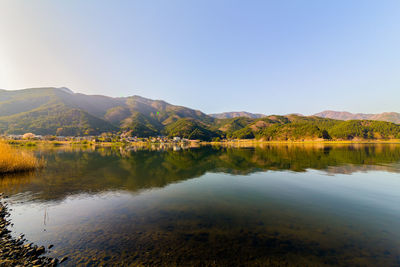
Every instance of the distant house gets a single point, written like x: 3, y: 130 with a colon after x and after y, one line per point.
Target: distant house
x: 15, y: 136
x: 132, y: 139
x: 61, y: 138
x: 39, y: 137
x: 176, y: 139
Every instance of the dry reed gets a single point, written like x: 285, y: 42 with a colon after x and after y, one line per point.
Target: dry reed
x: 13, y: 160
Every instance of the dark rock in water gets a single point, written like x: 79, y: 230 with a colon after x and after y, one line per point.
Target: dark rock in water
x: 63, y: 259
x: 40, y: 250
x: 49, y: 247
x: 35, y: 262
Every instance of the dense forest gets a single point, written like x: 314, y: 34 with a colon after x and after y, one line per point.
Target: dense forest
x: 297, y: 128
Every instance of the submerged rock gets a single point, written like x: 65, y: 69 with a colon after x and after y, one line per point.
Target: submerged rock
x: 63, y: 259
x: 13, y: 252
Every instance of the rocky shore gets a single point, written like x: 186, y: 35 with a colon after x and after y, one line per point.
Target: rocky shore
x: 16, y: 251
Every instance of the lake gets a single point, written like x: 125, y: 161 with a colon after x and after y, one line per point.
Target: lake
x: 290, y: 205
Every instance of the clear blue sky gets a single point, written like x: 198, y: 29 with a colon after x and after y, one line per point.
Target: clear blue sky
x: 272, y: 57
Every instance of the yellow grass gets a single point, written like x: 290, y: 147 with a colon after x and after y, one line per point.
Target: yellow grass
x: 13, y: 160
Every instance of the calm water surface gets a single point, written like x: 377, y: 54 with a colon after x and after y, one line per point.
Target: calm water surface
x: 285, y: 205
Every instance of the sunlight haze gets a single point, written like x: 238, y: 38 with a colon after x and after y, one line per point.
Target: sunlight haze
x: 270, y: 57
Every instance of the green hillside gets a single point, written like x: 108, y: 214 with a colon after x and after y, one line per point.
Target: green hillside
x: 191, y: 129
x: 42, y: 111
x: 297, y: 128
x: 142, y: 126
x: 46, y: 110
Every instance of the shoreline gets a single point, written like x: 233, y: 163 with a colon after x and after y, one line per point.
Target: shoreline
x: 29, y: 143
x: 251, y: 141
x: 17, y: 251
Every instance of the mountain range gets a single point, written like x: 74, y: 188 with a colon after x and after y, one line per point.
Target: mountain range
x: 343, y: 115
x: 330, y: 114
x: 235, y: 114
x: 60, y: 111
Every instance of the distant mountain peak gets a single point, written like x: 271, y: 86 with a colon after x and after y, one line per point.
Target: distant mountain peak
x: 66, y: 90
x: 345, y: 115
x: 235, y: 114
x: 295, y: 114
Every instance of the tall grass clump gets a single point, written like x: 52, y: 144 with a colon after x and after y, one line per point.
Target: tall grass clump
x: 13, y: 160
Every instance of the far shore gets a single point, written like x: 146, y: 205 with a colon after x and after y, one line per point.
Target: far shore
x: 253, y: 141
x: 195, y: 143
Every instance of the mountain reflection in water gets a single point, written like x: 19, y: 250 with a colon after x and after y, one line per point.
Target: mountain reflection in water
x: 112, y: 169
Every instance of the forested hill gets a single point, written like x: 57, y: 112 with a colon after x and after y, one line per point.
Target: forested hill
x: 298, y: 128
x: 62, y: 112
x: 59, y: 111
